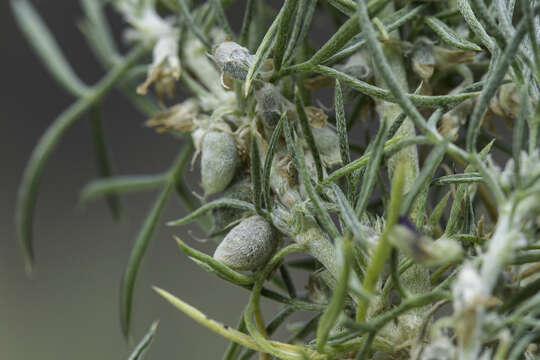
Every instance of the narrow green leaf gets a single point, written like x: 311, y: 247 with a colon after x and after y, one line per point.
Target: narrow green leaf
x: 381, y: 63
x: 335, y: 306
x: 297, y: 153
x: 268, y: 160
x: 347, y: 7
x: 223, y: 202
x: 341, y: 124
x: 233, y: 350
x: 493, y: 82
x: 270, y: 329
x: 287, y: 279
x: 283, y: 32
x: 337, y: 41
x: 518, y: 139
x: 533, y: 36
x: 122, y: 184
x: 424, y: 177
x: 44, y: 44
x: 465, y: 178
x: 103, y: 158
x: 475, y: 25
x: 455, y: 219
x: 262, y: 52
x: 256, y: 174
x: 98, y: 32
x: 205, y: 321
x: 222, y: 17
x: 449, y: 36
x: 435, y: 217
x: 308, y: 135
x: 387, y: 95
x: 392, y: 23
x: 224, y: 271
x: 28, y: 189
x: 142, y: 241
x: 142, y: 347
x: 348, y: 215
x: 193, y: 27
x: 396, y: 124
x: 246, y: 22
x: 304, y: 15
x: 391, y: 147
x: 382, y: 251
x: 372, y: 169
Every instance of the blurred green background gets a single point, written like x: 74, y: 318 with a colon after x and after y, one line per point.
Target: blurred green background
x: 69, y: 309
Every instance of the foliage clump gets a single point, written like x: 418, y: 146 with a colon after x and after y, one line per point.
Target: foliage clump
x: 420, y: 242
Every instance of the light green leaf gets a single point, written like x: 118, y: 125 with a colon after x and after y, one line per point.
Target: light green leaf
x: 44, y: 44
x: 262, y: 52
x: 142, y: 347
x: 449, y: 36
x: 142, y: 241
x: 122, y: 184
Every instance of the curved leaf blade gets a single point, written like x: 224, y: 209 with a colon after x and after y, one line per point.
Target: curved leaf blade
x: 144, y: 237
x: 142, y: 347
x: 42, y: 41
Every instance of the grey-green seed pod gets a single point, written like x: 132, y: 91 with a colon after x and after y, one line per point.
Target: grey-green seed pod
x: 270, y: 104
x: 423, y: 58
x: 225, y: 216
x: 327, y: 143
x: 248, y: 245
x: 219, y: 160
x: 233, y: 59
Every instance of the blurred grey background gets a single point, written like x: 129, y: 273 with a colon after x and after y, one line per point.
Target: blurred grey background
x: 69, y: 309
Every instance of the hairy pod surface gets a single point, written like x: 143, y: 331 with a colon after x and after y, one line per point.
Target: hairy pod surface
x: 225, y: 216
x: 248, y: 245
x: 269, y: 105
x: 218, y: 161
x: 233, y: 59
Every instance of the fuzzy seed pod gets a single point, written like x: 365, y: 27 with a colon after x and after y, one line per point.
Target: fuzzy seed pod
x: 225, y: 216
x: 359, y: 67
x: 248, y: 245
x: 219, y: 160
x: 233, y: 59
x: 270, y: 104
x: 423, y: 59
x: 327, y: 143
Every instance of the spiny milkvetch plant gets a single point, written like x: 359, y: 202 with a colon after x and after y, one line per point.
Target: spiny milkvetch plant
x: 420, y: 242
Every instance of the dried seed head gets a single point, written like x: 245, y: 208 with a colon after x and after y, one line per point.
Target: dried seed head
x: 180, y: 117
x: 223, y: 217
x: 233, y: 59
x: 506, y: 103
x: 219, y: 160
x: 316, y: 116
x: 327, y: 143
x: 165, y: 69
x: 445, y: 58
x: 248, y: 245
x: 270, y: 104
x: 423, y: 58
x: 422, y: 249
x: 358, y: 66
